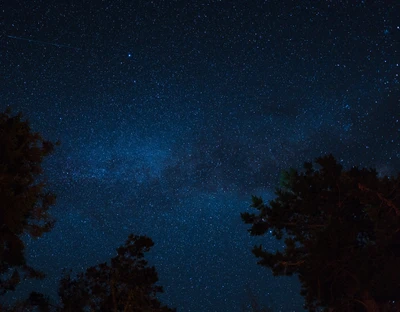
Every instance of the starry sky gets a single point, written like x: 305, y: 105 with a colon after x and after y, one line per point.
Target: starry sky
x: 171, y: 114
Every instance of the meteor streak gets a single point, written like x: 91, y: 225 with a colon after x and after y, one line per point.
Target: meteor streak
x: 59, y: 45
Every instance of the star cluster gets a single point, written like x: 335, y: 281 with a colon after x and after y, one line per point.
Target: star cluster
x: 171, y: 114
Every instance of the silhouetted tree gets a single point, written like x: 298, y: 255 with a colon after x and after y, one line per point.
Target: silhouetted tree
x: 24, y: 200
x: 342, y: 236
x: 126, y: 284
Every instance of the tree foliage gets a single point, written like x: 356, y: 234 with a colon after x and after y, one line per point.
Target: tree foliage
x: 342, y: 235
x: 126, y: 284
x: 24, y: 200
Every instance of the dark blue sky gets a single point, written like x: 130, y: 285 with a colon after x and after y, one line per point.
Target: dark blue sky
x: 171, y: 114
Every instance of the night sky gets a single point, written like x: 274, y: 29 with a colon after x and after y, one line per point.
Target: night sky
x: 171, y: 114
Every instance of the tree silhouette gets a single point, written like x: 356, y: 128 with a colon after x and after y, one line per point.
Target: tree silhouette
x: 126, y: 284
x: 24, y: 200
x: 342, y: 236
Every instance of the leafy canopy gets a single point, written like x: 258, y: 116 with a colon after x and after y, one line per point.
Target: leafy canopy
x: 24, y: 202
x: 342, y: 235
x: 126, y: 284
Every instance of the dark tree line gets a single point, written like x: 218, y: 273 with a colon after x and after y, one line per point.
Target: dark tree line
x: 341, y: 230
x: 126, y: 283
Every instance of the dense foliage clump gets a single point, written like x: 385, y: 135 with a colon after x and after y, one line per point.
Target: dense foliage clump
x: 126, y: 284
x: 342, y: 235
x: 24, y: 200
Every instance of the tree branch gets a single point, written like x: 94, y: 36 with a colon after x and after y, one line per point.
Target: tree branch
x: 388, y: 202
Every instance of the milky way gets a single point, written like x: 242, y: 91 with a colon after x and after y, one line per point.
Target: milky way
x: 171, y: 114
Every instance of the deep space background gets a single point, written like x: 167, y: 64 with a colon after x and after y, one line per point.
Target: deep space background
x: 171, y: 114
